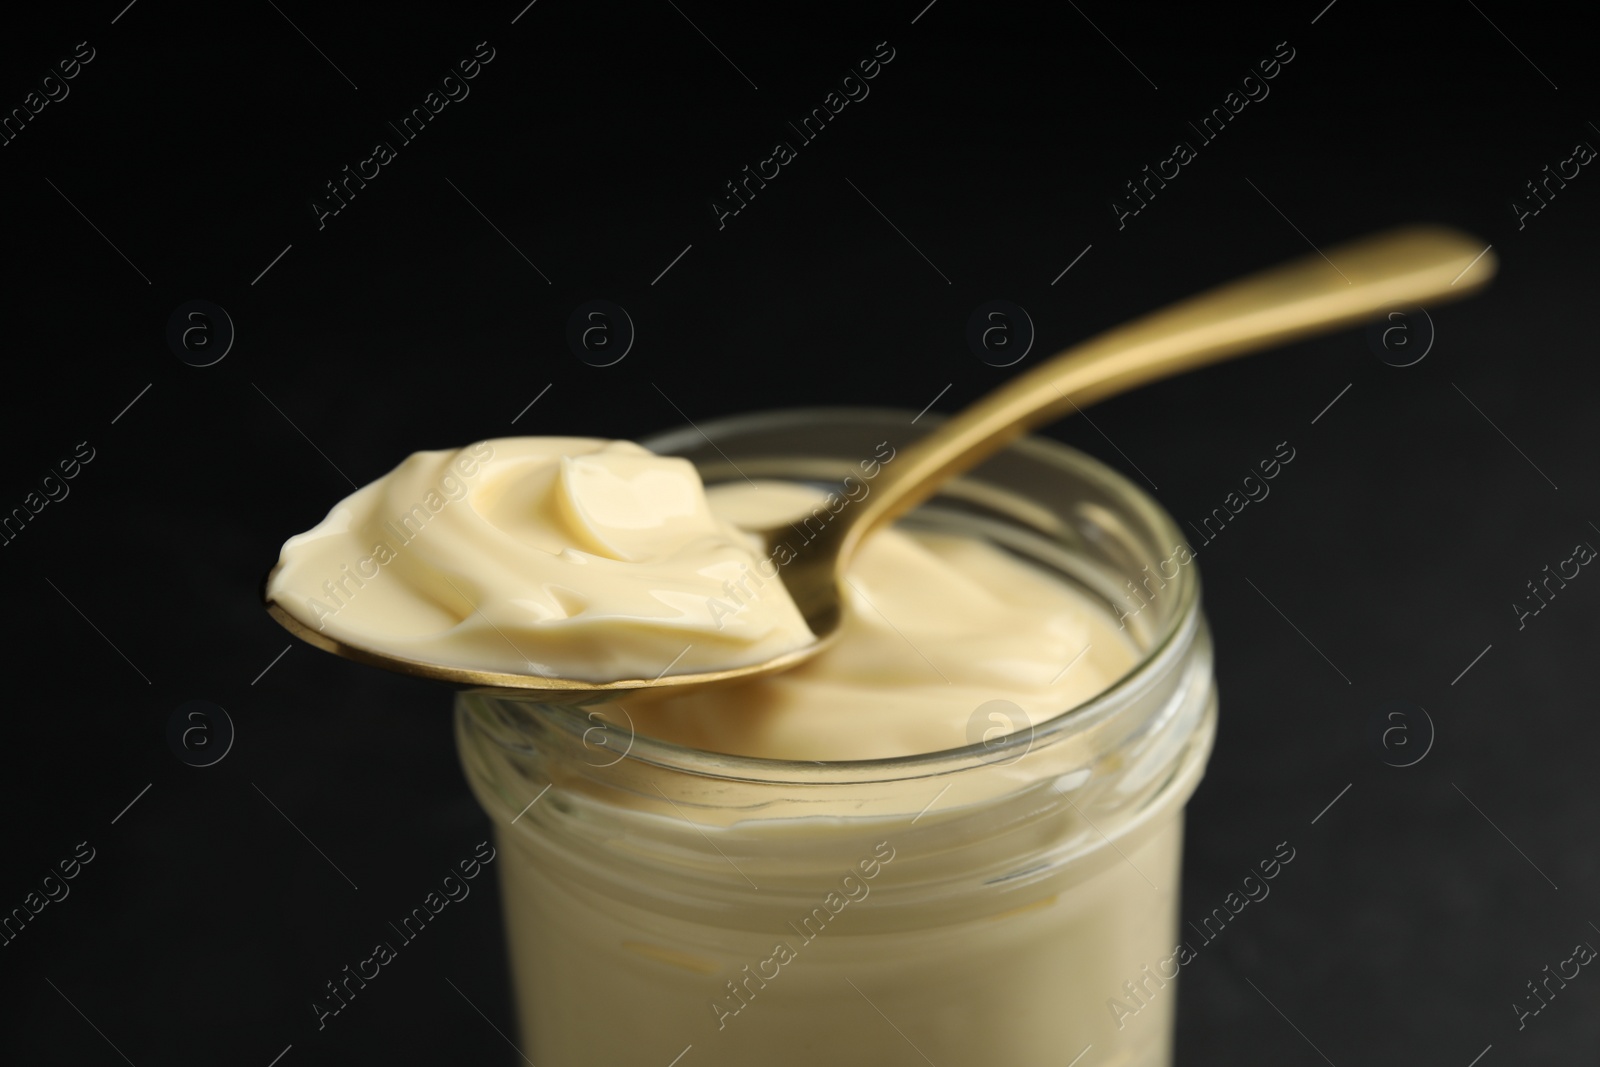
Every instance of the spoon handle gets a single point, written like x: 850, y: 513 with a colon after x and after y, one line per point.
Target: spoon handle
x: 1352, y: 282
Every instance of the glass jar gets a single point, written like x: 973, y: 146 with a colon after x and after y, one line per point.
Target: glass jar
x: 1007, y: 904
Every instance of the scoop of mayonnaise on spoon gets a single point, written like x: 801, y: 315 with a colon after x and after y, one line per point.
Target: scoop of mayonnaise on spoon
x: 537, y: 558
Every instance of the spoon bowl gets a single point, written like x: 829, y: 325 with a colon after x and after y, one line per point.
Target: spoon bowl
x: 560, y: 690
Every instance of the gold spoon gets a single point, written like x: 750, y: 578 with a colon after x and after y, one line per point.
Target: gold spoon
x: 1352, y: 282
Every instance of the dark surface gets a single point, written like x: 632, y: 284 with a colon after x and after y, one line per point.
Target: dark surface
x: 1397, y: 540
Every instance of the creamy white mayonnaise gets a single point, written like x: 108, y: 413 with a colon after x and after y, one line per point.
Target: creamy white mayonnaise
x: 558, y: 556
x: 945, y: 640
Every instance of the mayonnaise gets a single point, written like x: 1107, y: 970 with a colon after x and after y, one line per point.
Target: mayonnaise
x: 946, y: 640
x: 555, y: 556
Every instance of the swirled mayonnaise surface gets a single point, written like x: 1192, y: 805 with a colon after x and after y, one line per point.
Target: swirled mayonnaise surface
x: 557, y: 556
x: 946, y: 640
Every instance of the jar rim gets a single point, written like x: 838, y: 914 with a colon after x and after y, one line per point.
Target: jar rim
x: 1168, y: 642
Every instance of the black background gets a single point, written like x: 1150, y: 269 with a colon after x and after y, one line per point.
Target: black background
x: 995, y: 140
